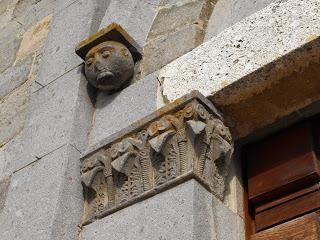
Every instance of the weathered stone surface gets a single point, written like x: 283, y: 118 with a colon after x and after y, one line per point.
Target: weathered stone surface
x: 6, y: 11
x: 51, y: 120
x: 160, y: 51
x: 14, y: 77
x: 108, y: 119
x: 247, y: 57
x: 183, y: 140
x: 14, y: 108
x: 134, y: 16
x: 170, y: 18
x: 10, y: 41
x: 4, y: 186
x: 62, y: 39
x: 34, y: 38
x: 29, y: 12
x: 44, y: 199
x: 229, y: 12
x: 185, y: 212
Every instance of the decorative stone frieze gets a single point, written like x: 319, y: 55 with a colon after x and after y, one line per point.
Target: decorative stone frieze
x: 185, y: 139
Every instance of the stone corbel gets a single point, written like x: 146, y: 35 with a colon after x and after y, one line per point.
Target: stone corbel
x: 110, y: 57
x: 185, y: 139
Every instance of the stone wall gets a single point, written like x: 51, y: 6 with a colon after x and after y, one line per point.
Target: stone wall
x: 50, y: 116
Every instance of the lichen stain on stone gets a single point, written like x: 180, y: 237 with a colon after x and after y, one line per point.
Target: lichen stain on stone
x: 34, y: 38
x: 224, y: 83
x: 288, y: 95
x: 312, y: 37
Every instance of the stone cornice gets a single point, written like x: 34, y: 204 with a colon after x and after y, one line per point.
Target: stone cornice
x: 185, y: 139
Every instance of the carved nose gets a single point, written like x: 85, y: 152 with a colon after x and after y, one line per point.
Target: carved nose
x: 98, y: 65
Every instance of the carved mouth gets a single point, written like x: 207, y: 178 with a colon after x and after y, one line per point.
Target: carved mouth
x: 104, y: 76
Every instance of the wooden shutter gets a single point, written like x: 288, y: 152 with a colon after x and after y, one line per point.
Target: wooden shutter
x: 283, y: 190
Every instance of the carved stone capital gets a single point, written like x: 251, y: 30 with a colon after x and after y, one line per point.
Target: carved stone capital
x: 185, y: 139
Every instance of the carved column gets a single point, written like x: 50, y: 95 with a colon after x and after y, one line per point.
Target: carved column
x: 185, y: 139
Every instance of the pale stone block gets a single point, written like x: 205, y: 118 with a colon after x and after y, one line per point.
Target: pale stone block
x: 246, y: 47
x: 4, y: 186
x: 44, y: 199
x: 187, y: 211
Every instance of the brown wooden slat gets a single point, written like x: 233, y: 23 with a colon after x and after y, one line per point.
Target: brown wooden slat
x: 287, y: 198
x: 303, y: 228
x: 282, y: 164
x: 288, y: 210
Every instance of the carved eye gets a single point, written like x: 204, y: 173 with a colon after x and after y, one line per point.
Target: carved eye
x: 89, y: 61
x: 105, y: 54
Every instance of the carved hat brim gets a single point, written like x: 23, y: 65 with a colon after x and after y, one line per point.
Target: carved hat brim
x: 113, y: 32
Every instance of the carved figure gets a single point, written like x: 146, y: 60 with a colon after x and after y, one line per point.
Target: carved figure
x: 110, y: 56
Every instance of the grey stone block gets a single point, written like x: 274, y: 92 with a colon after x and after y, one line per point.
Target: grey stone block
x: 10, y: 41
x: 14, y: 108
x: 55, y: 109
x: 44, y: 200
x: 186, y: 212
x: 173, y: 17
x: 69, y: 26
x: 162, y: 50
x: 15, y: 76
x: 30, y: 12
x: 4, y: 186
x: 117, y: 111
x: 134, y: 16
x: 227, y: 13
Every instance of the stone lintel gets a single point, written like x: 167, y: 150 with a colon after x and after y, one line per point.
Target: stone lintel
x: 259, y: 70
x: 183, y: 140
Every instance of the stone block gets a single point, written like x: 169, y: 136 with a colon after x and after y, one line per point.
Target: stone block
x: 10, y: 41
x: 34, y: 39
x: 51, y: 119
x: 163, y: 50
x: 4, y: 186
x: 227, y: 13
x: 6, y: 11
x: 117, y: 111
x: 44, y: 199
x: 69, y: 26
x: 187, y: 211
x: 172, y: 17
x: 29, y: 12
x: 134, y: 16
x: 14, y: 77
x: 14, y: 108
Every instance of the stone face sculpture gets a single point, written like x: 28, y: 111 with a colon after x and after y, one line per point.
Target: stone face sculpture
x: 110, y: 56
x: 109, y: 65
x: 185, y: 139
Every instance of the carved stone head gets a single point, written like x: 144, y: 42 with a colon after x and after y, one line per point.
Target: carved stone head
x: 110, y: 56
x: 109, y: 65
